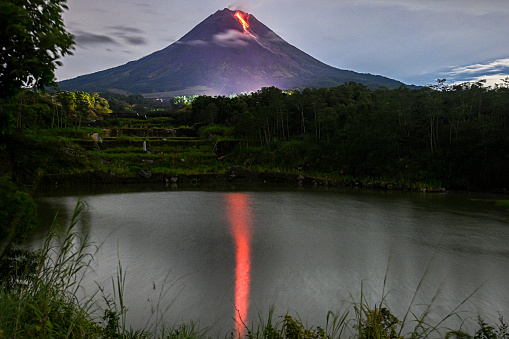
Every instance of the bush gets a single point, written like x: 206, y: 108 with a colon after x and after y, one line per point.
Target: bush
x: 17, y: 214
x: 219, y: 130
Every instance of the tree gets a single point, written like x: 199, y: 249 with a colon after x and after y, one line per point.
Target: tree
x: 83, y: 102
x: 33, y: 38
x: 101, y: 105
x: 67, y: 101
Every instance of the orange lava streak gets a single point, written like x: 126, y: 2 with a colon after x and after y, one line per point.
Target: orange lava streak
x: 244, y: 22
x: 239, y: 216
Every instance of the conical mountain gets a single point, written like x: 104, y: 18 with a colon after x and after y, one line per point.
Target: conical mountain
x: 221, y: 56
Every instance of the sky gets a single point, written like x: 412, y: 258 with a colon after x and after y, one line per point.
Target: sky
x: 413, y: 41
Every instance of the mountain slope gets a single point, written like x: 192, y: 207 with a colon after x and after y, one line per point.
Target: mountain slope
x: 219, y: 57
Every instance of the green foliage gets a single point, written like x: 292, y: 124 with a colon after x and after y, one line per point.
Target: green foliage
x: 16, y: 266
x: 502, y: 203
x: 83, y: 101
x: 7, y: 119
x: 26, y: 110
x: 294, y: 329
x: 454, y: 136
x: 111, y: 318
x: 67, y: 100
x: 457, y: 135
x: 486, y: 331
x: 37, y: 154
x: 33, y: 38
x: 134, y: 103
x: 377, y: 323
x: 217, y: 130
x: 45, y: 305
x: 18, y: 214
x: 180, y: 101
x: 83, y: 105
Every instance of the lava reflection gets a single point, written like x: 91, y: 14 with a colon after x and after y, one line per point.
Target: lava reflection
x: 239, y: 216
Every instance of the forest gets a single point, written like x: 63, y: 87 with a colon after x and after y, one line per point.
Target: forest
x: 455, y: 135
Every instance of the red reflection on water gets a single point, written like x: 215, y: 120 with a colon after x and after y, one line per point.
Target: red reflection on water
x: 239, y: 216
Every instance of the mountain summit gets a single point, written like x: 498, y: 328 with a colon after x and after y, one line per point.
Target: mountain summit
x: 229, y: 52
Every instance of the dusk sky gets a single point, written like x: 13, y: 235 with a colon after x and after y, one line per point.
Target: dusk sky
x: 414, y: 41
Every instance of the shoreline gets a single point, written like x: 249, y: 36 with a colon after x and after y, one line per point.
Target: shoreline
x: 236, y: 175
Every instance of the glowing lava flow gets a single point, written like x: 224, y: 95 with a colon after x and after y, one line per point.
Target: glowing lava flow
x: 239, y: 216
x: 244, y: 22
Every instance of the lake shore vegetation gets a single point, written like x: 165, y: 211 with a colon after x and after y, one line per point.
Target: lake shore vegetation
x: 429, y: 139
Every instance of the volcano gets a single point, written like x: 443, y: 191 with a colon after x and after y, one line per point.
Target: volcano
x: 229, y: 52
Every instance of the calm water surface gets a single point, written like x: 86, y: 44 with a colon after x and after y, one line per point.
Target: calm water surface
x: 230, y: 254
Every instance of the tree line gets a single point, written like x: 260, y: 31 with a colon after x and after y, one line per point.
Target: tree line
x: 458, y: 134
x: 30, y: 110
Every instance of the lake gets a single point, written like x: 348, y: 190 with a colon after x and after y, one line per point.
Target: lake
x: 222, y: 256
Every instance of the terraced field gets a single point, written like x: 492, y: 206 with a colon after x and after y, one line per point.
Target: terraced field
x: 170, y: 153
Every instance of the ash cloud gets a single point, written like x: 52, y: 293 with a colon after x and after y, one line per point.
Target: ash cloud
x: 245, y: 5
x: 240, y: 6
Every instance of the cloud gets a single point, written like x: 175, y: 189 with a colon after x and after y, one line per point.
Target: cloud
x: 87, y: 38
x: 231, y: 38
x: 243, y: 6
x: 492, y: 72
x: 128, y: 29
x: 123, y: 32
x: 491, y: 67
x: 146, y: 8
x: 489, y: 80
x: 135, y: 40
x: 193, y: 42
x: 249, y: 6
x: 471, y: 7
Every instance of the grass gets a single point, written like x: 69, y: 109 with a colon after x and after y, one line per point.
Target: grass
x: 178, y: 162
x: 502, y: 203
x: 46, y: 305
